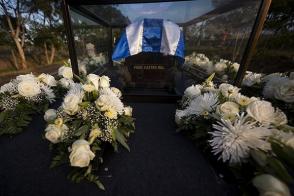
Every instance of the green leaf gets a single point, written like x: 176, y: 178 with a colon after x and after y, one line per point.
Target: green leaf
x: 283, y: 152
x: 82, y: 130
x: 2, y: 116
x: 100, y: 185
x: 279, y: 169
x: 121, y: 139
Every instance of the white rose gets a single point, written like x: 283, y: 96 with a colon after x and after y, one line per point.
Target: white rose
x: 116, y: 91
x: 251, y: 78
x: 272, y: 84
x: 236, y: 66
x: 285, y: 91
x: 89, y: 87
x: 193, y: 91
x: 65, y: 72
x: 228, y: 90
x: 291, y: 76
x: 47, y: 79
x: 220, y: 66
x: 94, y: 79
x: 228, y: 110
x: 26, y: 77
x: 54, y: 133
x: 66, y: 83
x: 81, y: 154
x: 104, y: 82
x: 280, y: 118
x: 179, y: 115
x: 50, y: 115
x: 128, y: 111
x: 261, y: 111
x: 269, y: 185
x: 28, y: 88
x: 71, y: 104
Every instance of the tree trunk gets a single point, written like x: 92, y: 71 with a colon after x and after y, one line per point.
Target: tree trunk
x: 46, y: 53
x: 52, y: 53
x: 14, y: 59
x: 21, y: 53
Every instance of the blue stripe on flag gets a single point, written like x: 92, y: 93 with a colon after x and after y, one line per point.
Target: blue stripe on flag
x: 122, y: 48
x: 152, y: 34
x: 181, y: 48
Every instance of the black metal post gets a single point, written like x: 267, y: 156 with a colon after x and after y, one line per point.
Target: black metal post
x: 70, y: 37
x: 252, y: 42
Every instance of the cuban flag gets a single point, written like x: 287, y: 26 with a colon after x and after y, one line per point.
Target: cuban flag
x: 150, y: 35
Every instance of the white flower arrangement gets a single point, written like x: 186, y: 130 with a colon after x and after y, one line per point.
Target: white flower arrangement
x: 91, y: 63
x: 22, y: 97
x: 91, y: 115
x: 237, y: 127
x: 223, y: 68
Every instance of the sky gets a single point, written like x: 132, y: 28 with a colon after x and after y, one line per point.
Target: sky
x: 167, y: 10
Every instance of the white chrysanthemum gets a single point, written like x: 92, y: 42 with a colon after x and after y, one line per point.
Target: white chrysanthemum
x: 232, y: 141
x: 9, y: 87
x: 50, y: 96
x: 202, y: 105
x: 108, y: 100
x: 193, y: 91
x: 72, y: 99
x: 251, y: 78
x: 66, y: 83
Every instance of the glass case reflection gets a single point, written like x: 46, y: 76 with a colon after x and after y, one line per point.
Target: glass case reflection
x: 215, y: 35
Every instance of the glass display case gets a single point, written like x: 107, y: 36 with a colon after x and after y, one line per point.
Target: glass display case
x: 218, y: 37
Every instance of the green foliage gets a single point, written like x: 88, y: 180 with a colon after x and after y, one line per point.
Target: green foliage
x: 14, y: 121
x: 79, y: 174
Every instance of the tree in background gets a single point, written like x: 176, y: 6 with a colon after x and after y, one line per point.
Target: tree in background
x: 17, y: 13
x: 31, y: 24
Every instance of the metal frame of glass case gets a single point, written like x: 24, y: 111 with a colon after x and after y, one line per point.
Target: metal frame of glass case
x: 245, y: 60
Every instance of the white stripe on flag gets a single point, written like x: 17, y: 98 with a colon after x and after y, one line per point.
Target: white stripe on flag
x: 135, y: 36
x: 170, y: 38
